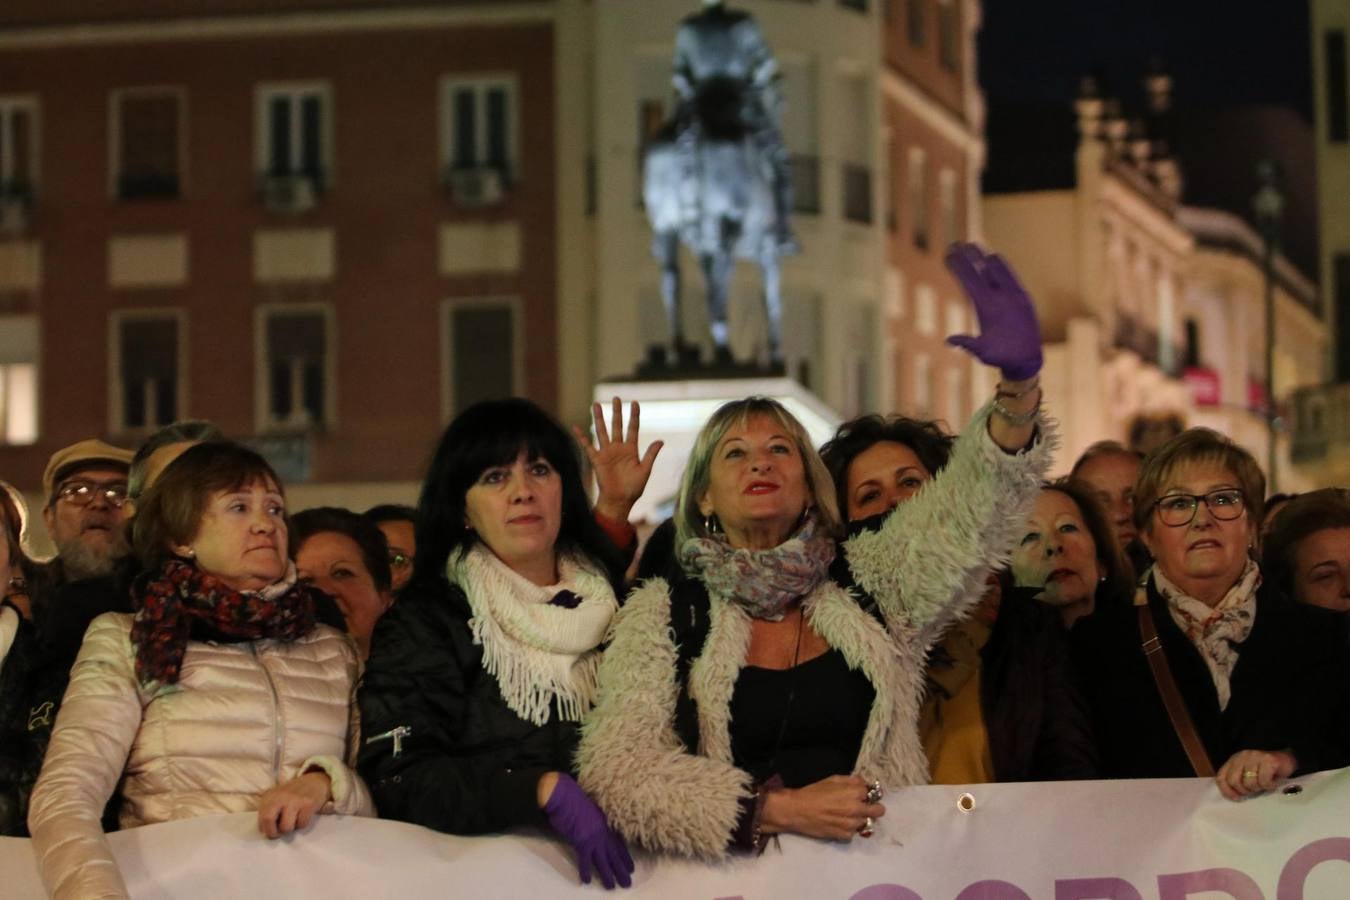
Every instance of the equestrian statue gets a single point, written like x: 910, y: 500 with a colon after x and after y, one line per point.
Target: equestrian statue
x: 716, y: 176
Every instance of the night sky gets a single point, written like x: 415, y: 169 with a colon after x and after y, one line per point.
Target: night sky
x: 1220, y: 53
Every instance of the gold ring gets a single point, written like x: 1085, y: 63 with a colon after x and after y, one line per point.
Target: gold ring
x: 1248, y: 773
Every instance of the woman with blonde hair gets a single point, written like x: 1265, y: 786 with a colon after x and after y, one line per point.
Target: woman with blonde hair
x: 772, y: 683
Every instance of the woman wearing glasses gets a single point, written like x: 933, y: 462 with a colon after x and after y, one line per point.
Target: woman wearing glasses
x: 1257, y: 686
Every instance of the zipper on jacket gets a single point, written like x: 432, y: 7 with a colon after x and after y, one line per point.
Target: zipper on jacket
x: 276, y: 714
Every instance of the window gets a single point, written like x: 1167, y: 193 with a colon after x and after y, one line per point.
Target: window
x: 947, y: 199
x: 18, y: 147
x: 146, y: 144
x: 18, y: 379
x: 914, y: 21
x: 955, y: 409
x: 1338, y: 117
x: 918, y: 196
x: 295, y: 122
x: 859, y: 5
x: 481, y: 352
x: 923, y: 385
x: 925, y: 310
x: 478, y: 125
x: 297, y: 378
x: 1340, y: 280
x: 948, y: 27
x: 145, y: 388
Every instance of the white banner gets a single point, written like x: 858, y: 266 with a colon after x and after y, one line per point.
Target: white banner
x: 1117, y: 840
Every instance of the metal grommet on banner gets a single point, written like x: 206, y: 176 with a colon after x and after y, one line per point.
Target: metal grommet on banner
x: 966, y: 802
x: 1292, y: 790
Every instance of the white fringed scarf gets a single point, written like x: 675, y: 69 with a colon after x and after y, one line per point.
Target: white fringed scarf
x: 536, y: 650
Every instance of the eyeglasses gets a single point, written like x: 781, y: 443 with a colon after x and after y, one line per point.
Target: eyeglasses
x: 1179, y: 509
x: 82, y: 493
x: 399, y: 560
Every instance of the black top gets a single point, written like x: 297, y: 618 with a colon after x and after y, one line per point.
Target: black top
x: 1290, y: 690
x: 804, y: 724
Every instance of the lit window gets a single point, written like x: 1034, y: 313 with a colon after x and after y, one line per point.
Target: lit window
x: 18, y: 380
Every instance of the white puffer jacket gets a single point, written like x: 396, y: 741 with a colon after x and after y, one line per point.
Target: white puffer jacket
x: 243, y: 718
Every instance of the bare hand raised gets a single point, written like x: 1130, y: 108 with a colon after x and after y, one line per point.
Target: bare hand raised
x: 620, y: 473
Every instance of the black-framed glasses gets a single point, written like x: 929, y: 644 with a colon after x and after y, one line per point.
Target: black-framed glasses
x: 82, y: 493
x: 1179, y: 509
x: 399, y: 560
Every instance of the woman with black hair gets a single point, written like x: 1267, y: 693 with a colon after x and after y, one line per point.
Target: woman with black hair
x: 479, y: 676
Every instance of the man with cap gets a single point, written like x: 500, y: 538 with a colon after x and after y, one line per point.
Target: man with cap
x: 86, y: 489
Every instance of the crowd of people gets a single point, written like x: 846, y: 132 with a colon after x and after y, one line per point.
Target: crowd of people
x: 813, y: 627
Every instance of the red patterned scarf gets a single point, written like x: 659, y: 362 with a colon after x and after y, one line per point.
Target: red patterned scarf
x: 182, y: 602
x: 762, y: 582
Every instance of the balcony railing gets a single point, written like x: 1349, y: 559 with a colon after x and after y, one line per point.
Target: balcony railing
x: 857, y: 193
x: 1321, y: 421
x: 1145, y: 342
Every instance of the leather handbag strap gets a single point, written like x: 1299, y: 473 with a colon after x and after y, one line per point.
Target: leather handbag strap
x: 1171, y: 697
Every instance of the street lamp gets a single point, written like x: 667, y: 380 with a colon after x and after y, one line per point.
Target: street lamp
x: 1268, y: 204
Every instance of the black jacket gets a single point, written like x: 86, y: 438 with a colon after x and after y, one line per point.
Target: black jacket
x: 470, y: 764
x: 1290, y: 690
x: 1034, y: 711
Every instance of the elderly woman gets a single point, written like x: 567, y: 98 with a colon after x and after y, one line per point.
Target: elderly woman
x: 219, y: 695
x: 1307, y: 549
x: 480, y: 674
x: 1207, y: 669
x: 1068, y: 554
x: 1002, y: 702
x: 344, y: 554
x: 759, y: 689
x: 25, y: 676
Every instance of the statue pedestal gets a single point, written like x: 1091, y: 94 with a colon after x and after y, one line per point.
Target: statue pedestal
x: 658, y: 366
x: 674, y: 408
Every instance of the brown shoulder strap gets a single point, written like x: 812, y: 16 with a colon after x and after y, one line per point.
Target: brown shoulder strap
x: 1167, y: 688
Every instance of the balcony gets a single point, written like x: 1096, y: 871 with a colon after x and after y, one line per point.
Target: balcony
x: 1321, y: 421
x: 1132, y: 335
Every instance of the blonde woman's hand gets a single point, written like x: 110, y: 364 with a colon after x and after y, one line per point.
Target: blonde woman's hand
x: 290, y: 807
x: 833, y: 808
x: 621, y: 474
x: 1250, y: 772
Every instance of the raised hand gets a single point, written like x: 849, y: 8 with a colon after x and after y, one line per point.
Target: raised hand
x: 1010, y: 336
x: 574, y: 815
x: 620, y: 473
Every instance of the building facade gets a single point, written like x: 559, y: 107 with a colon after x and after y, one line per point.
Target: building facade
x: 325, y: 230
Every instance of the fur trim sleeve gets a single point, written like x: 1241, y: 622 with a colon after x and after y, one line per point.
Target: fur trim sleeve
x: 927, y: 563
x: 654, y: 791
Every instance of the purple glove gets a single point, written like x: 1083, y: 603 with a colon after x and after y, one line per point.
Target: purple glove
x: 1010, y: 337
x: 576, y: 817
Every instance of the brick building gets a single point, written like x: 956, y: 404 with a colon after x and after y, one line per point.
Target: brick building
x: 325, y: 230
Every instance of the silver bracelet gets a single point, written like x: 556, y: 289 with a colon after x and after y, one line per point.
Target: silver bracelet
x: 1018, y: 395
x: 1016, y: 419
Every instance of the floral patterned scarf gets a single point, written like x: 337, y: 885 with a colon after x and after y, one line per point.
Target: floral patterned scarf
x: 1216, y: 632
x: 762, y: 582
x: 182, y: 602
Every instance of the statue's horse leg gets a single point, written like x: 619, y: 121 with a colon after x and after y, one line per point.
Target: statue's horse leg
x: 717, y: 266
x: 667, y: 247
x: 773, y: 302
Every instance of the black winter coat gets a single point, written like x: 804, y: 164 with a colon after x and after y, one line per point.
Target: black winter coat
x: 470, y: 764
x: 1290, y: 690
x: 1034, y: 712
